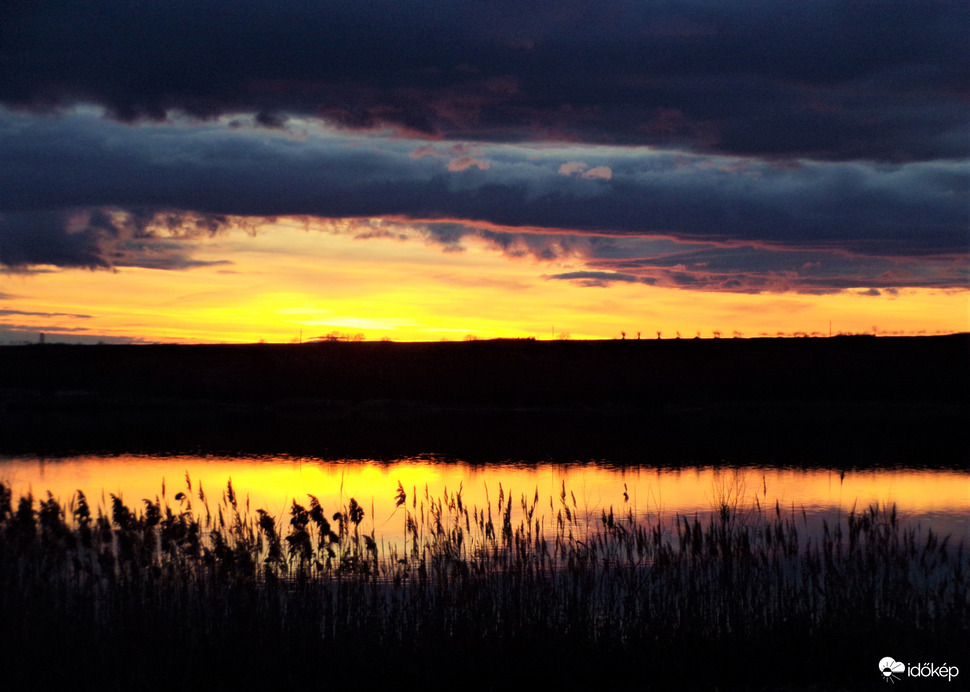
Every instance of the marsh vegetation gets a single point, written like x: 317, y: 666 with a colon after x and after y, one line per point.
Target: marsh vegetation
x: 208, y: 592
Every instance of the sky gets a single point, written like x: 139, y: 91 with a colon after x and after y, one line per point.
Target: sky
x: 214, y: 171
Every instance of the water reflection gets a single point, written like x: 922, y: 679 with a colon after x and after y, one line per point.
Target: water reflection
x: 936, y: 498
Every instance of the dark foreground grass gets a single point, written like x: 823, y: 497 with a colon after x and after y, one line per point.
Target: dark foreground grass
x: 510, y: 595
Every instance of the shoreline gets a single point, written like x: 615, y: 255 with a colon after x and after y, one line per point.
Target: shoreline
x: 869, y: 400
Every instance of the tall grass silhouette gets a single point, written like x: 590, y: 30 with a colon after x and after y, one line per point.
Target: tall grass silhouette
x: 744, y: 594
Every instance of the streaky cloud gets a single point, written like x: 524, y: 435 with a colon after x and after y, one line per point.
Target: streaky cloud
x: 28, y: 313
x: 599, y: 278
x: 80, y: 161
x: 77, y: 190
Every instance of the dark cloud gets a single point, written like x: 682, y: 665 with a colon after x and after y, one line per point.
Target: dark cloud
x: 103, y: 238
x: 753, y: 269
x: 831, y: 79
x: 80, y: 191
x: 732, y: 267
x: 30, y: 334
x: 541, y: 246
x: 30, y: 238
x: 43, y: 314
x: 599, y: 279
x: 80, y: 161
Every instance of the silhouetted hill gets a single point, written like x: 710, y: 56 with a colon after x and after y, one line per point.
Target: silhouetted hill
x: 907, y: 395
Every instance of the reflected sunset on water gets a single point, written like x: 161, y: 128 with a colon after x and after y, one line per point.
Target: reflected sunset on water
x: 937, y: 498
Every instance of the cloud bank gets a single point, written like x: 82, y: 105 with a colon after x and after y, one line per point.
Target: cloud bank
x: 830, y: 79
x: 79, y: 190
x: 733, y: 146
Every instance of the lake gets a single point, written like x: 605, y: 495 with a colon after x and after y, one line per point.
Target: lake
x: 809, y: 428
x: 585, y: 593
x: 935, y: 498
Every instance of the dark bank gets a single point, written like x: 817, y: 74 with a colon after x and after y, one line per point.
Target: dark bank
x: 895, y: 399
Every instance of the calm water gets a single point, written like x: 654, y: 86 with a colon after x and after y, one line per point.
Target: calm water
x: 939, y: 499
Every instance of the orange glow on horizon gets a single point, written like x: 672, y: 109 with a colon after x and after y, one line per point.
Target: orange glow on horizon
x: 287, y: 283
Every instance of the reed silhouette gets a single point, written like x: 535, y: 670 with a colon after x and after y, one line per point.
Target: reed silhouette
x: 212, y: 594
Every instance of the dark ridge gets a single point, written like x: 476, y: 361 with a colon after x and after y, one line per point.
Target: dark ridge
x: 891, y: 399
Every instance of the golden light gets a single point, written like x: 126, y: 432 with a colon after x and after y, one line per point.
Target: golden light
x: 273, y: 483
x: 292, y: 281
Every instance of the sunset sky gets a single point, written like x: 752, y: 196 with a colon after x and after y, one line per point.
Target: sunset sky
x: 199, y: 170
